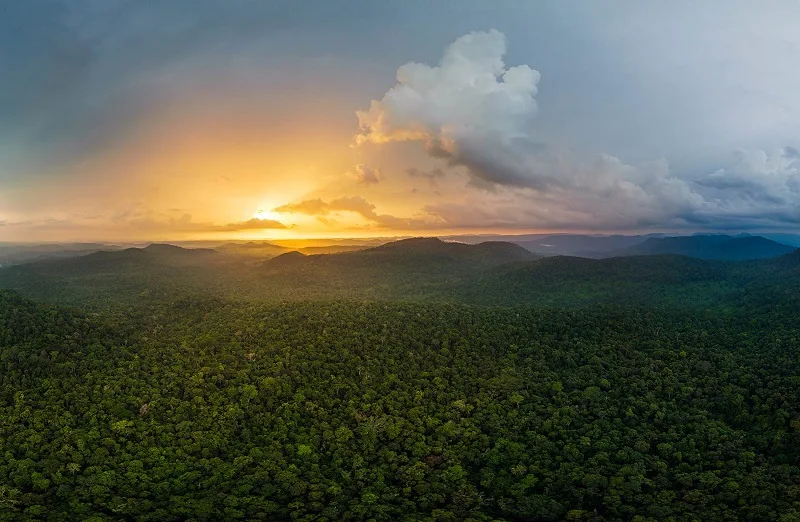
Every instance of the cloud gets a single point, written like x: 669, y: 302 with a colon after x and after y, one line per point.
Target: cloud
x: 470, y: 109
x: 755, y: 188
x: 470, y: 89
x: 145, y: 219
x: 432, y: 175
x: 26, y: 223
x: 318, y: 207
x: 357, y: 205
x: 365, y: 174
x: 327, y: 221
x: 758, y: 176
x: 474, y: 112
x: 137, y: 222
x: 252, y: 224
x: 311, y: 207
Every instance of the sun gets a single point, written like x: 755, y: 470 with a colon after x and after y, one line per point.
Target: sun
x: 266, y: 214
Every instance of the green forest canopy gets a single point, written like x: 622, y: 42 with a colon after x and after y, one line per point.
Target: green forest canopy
x: 425, y: 387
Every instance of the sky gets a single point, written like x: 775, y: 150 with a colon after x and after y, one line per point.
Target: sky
x: 211, y: 119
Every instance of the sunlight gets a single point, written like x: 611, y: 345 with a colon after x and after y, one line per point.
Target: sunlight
x: 266, y: 214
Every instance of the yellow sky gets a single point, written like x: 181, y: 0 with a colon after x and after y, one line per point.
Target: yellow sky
x: 189, y: 171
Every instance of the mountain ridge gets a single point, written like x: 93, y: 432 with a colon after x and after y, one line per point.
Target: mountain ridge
x: 709, y: 246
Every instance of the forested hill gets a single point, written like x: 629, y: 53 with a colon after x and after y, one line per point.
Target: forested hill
x: 154, y: 254
x: 208, y: 409
x: 410, y: 266
x: 420, y: 254
x: 720, y: 247
x: 422, y: 270
x: 489, y: 251
x: 23, y: 322
x: 753, y: 247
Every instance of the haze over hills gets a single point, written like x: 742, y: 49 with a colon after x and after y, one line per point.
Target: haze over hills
x: 266, y: 249
x: 13, y: 253
x: 743, y: 246
x: 753, y: 247
x: 498, y: 273
x: 155, y: 253
x: 787, y: 239
x: 709, y: 247
x: 422, y: 253
x: 491, y: 252
x: 581, y: 245
x: 410, y: 267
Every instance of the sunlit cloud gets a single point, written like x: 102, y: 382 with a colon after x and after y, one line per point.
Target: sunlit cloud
x: 359, y: 206
x: 251, y: 224
x: 432, y: 175
x: 365, y: 174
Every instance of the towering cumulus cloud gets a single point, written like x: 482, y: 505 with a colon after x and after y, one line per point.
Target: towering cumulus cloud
x: 475, y: 112
x: 470, y: 110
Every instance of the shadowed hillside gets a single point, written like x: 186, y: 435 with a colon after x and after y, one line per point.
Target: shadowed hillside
x: 495, y: 273
x: 424, y: 254
x: 710, y: 247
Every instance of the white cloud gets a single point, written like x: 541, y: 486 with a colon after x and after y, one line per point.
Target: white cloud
x: 470, y: 109
x: 757, y: 175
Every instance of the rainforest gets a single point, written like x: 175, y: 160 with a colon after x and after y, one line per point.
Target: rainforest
x: 417, y: 380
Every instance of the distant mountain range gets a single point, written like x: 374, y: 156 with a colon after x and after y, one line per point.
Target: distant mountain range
x: 581, y: 245
x: 488, y: 252
x: 433, y: 250
x: 703, y: 246
x: 493, y: 272
x: 720, y: 247
x: 410, y: 257
x: 265, y: 249
x: 21, y: 253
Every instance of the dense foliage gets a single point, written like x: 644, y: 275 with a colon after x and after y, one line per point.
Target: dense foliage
x: 212, y: 409
x: 493, y: 274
